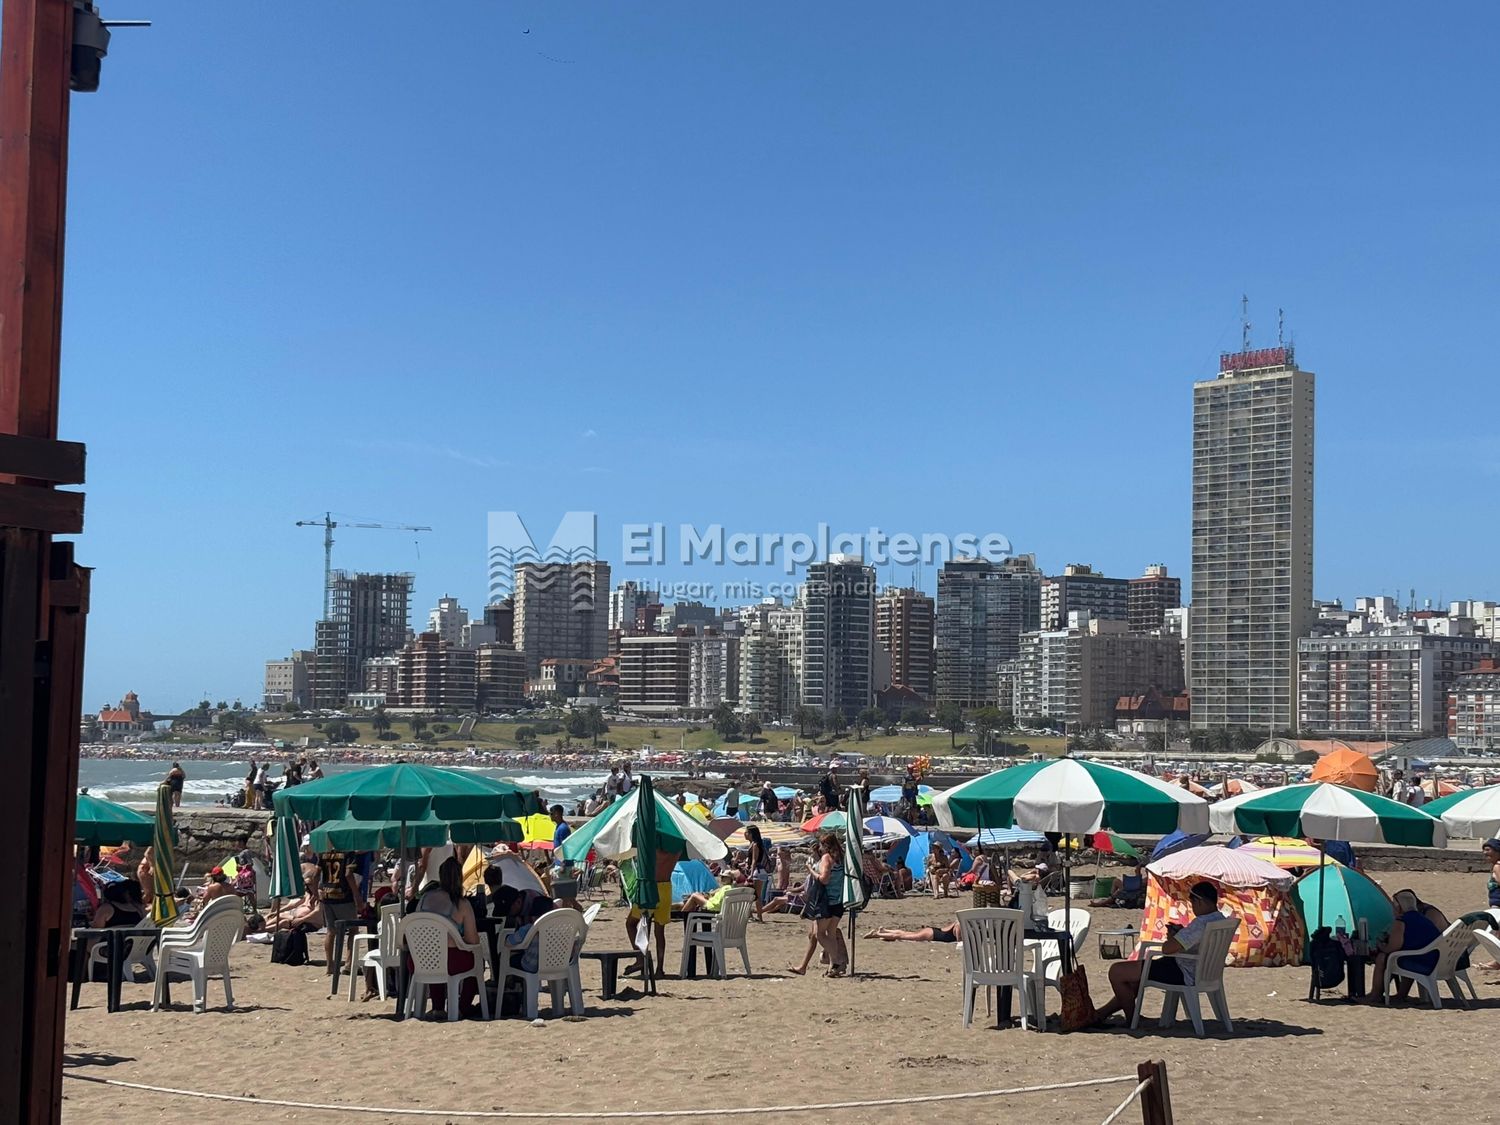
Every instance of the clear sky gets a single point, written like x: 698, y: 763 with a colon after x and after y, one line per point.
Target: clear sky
x: 923, y: 267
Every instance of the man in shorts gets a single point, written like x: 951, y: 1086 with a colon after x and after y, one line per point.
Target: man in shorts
x: 341, y: 895
x: 661, y: 914
x: 1125, y: 976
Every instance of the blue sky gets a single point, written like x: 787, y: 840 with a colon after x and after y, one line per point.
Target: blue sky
x: 937, y: 269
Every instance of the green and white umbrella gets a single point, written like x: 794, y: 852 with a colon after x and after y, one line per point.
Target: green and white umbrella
x: 1470, y: 813
x: 351, y: 835
x: 1324, y: 811
x: 855, y: 897
x: 286, y: 859
x: 102, y: 823
x: 1071, y: 796
x: 612, y: 832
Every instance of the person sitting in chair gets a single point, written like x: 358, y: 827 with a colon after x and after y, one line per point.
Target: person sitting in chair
x: 1413, y: 928
x: 1128, y: 891
x: 1126, y: 977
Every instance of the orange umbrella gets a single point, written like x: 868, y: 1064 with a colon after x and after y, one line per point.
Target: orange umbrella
x: 1347, y: 767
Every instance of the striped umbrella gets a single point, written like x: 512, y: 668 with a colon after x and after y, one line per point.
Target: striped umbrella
x: 1068, y: 795
x: 892, y: 826
x: 286, y: 861
x: 771, y: 834
x: 1284, y: 852
x: 854, y: 861
x: 824, y: 822
x: 164, y: 860
x: 1469, y: 813
x: 1324, y: 811
x: 1107, y: 843
x: 1006, y: 837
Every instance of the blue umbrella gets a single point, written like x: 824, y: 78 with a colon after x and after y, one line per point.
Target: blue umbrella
x: 692, y: 875
x: 890, y: 794
x: 1006, y: 837
x: 888, y: 826
x: 785, y: 792
x: 1178, y: 841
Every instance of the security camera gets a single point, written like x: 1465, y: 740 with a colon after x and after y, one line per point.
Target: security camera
x: 90, y: 45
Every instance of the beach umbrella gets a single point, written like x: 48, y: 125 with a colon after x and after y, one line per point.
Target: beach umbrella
x: 1344, y: 893
x: 890, y: 794
x: 612, y: 832
x: 1107, y: 843
x: 101, y: 823
x: 770, y: 834
x: 286, y: 860
x: 1469, y: 813
x: 164, y: 860
x: 692, y: 876
x: 1225, y: 865
x: 699, y: 810
x: 351, y: 835
x: 1284, y: 852
x: 725, y: 826
x: 891, y: 826
x: 824, y: 822
x: 785, y: 792
x: 1323, y: 811
x: 1347, y: 767
x: 1177, y: 841
x: 1329, y: 812
x: 406, y: 791
x: 1068, y: 795
x: 537, y: 826
x: 643, y: 843
x: 854, y: 860
x: 1006, y: 838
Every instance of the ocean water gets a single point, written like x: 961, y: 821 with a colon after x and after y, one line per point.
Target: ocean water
x: 133, y: 781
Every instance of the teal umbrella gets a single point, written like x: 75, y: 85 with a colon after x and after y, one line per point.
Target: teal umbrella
x: 350, y: 835
x: 406, y: 791
x: 1344, y: 893
x: 104, y: 823
x: 286, y: 860
x: 643, y: 836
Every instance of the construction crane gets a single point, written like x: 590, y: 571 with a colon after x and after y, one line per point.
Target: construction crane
x: 328, y: 523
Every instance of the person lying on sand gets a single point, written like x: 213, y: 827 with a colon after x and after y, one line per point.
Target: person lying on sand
x: 943, y: 934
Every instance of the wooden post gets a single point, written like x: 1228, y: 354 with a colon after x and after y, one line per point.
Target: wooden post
x: 1156, y: 1099
x: 43, y: 595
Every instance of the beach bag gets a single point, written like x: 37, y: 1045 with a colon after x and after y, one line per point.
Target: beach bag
x: 289, y: 948
x: 815, y: 900
x: 1327, y: 959
x: 1077, y: 1006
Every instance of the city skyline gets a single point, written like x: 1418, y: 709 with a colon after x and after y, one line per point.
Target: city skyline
x: 918, y: 274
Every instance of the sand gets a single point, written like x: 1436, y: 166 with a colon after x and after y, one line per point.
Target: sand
x: 775, y: 1039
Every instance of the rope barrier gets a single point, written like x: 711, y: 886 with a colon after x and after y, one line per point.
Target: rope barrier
x: 1123, y: 1106
x: 604, y: 1115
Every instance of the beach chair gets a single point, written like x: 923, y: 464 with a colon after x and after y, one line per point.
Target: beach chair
x: 721, y: 932
x: 558, y: 937
x: 426, y: 938
x: 1046, y: 958
x: 137, y: 954
x: 1450, y: 945
x: 589, y: 915
x: 1211, y: 955
x: 201, y: 951
x: 1489, y: 942
x: 994, y: 956
x: 379, y: 951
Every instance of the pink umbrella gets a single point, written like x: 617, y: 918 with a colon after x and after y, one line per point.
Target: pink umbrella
x: 1220, y: 863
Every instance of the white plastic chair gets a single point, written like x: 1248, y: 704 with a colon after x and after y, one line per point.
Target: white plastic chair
x: 381, y: 949
x: 1488, y: 941
x: 721, y: 932
x: 994, y: 957
x: 1450, y: 945
x: 1046, y: 963
x: 1210, y: 955
x: 426, y: 937
x: 558, y: 935
x: 590, y: 914
x: 201, y: 951
x: 138, y: 951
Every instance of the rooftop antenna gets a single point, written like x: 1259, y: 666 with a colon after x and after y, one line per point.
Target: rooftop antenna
x: 1244, y: 322
x: 1281, y: 328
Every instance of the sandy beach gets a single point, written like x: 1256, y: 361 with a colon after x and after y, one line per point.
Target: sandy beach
x: 895, y: 1030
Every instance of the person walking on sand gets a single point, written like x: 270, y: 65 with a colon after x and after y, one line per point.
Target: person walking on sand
x: 824, y: 907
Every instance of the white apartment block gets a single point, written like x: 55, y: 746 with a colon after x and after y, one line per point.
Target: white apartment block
x: 1252, y: 547
x: 448, y: 620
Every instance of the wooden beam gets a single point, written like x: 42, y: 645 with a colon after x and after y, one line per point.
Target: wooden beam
x: 42, y: 459
x: 41, y: 509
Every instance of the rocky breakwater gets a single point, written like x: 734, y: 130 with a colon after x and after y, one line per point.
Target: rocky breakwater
x: 205, y: 836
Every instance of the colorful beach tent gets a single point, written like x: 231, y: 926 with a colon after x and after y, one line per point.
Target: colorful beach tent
x: 1254, y: 891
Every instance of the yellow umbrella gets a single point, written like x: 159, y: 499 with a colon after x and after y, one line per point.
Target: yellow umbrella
x: 699, y: 810
x: 537, y: 826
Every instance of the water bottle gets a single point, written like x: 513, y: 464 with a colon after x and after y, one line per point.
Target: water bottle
x: 1341, y: 927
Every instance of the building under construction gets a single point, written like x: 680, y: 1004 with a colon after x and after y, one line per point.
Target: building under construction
x: 369, y: 615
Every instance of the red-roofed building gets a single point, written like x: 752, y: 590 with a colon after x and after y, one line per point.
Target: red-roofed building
x: 127, y: 718
x: 1151, y: 711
